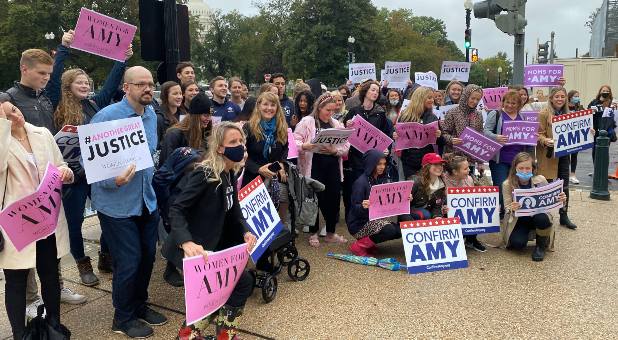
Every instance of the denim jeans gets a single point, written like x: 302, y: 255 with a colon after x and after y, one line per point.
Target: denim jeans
x: 499, y: 174
x: 74, y: 201
x: 132, y: 244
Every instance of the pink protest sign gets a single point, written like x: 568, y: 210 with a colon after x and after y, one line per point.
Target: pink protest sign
x: 102, y: 35
x: 390, y: 199
x: 477, y: 145
x: 529, y: 116
x: 292, y: 148
x: 35, y: 216
x: 208, y: 284
x: 520, y: 132
x: 415, y: 135
x: 492, y: 97
x: 367, y: 136
x: 543, y: 75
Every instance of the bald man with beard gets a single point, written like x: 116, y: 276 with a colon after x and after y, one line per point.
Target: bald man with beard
x: 127, y: 209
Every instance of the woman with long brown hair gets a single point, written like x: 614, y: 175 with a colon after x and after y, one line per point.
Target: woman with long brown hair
x: 192, y: 131
x: 170, y: 109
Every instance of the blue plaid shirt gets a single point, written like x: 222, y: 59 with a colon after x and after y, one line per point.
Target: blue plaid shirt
x: 127, y: 200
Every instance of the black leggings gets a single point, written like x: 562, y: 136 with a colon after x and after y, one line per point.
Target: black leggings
x: 241, y: 292
x: 573, y: 162
x: 329, y: 200
x: 15, y: 287
x: 563, y: 174
x: 388, y: 232
x: 519, y: 235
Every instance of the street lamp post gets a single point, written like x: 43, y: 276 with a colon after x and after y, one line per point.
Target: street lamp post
x: 487, y: 77
x: 499, y: 74
x: 468, y: 6
x: 351, y: 57
x: 49, y: 38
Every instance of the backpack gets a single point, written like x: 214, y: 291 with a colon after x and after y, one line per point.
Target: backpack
x: 303, y: 193
x: 167, y: 177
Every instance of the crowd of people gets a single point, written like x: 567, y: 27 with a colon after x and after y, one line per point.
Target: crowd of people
x: 205, y: 138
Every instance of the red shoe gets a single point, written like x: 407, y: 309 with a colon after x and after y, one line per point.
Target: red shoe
x: 361, y: 247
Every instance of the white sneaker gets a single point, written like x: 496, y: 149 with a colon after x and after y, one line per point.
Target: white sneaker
x: 31, y: 309
x: 70, y: 297
x: 323, y: 232
x: 573, y: 180
x: 306, y: 229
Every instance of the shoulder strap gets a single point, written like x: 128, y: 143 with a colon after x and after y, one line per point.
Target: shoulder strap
x: 5, y: 183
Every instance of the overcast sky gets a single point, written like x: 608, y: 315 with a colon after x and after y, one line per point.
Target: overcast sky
x: 565, y: 17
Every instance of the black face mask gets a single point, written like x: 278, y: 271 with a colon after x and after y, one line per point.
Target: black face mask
x: 234, y: 153
x: 604, y: 95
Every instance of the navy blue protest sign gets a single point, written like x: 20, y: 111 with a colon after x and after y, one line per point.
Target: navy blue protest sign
x: 572, y: 132
x: 538, y: 200
x: 261, y: 215
x: 433, y: 245
x: 476, y: 207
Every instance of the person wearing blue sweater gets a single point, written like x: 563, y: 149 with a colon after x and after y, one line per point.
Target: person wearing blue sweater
x: 369, y: 233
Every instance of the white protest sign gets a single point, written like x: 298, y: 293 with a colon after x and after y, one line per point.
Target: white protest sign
x: 441, y: 112
x: 539, y: 199
x: 428, y: 79
x: 455, y: 70
x: 476, y: 207
x: 571, y: 132
x: 68, y: 143
x: 332, y: 136
x: 261, y: 215
x: 404, y: 105
x: 432, y: 245
x: 397, y: 73
x: 361, y: 71
x: 108, y: 148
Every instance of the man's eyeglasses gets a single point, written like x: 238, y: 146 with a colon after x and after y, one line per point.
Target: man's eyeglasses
x: 142, y: 86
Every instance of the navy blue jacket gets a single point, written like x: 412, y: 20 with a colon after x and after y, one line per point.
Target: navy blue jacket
x: 287, y: 105
x: 227, y: 111
x: 359, y: 216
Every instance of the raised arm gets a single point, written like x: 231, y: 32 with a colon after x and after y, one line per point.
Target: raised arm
x: 53, y: 88
x: 114, y: 78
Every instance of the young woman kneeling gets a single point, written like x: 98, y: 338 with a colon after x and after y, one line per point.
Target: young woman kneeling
x: 515, y: 230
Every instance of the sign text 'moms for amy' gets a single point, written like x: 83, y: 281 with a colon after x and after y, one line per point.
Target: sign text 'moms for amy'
x: 102, y: 35
x: 432, y: 245
x: 477, y: 145
x: 476, y: 207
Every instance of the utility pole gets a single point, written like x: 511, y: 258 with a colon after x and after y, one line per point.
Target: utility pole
x: 172, y: 52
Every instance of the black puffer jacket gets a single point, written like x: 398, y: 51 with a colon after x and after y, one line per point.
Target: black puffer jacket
x: 376, y: 117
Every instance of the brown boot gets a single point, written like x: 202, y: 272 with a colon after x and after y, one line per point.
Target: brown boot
x: 86, y: 273
x: 105, y: 263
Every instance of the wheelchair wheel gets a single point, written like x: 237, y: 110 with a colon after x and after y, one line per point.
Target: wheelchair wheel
x: 299, y: 269
x: 287, y: 254
x: 269, y: 288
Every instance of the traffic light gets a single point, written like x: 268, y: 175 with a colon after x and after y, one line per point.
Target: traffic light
x: 513, y: 22
x: 475, y: 55
x: 468, y: 38
x: 542, y: 53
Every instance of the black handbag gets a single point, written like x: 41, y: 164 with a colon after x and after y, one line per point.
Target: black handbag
x: 40, y: 328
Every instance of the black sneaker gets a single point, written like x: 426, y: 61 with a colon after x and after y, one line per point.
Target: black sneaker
x: 476, y: 245
x: 172, y: 276
x: 133, y: 329
x: 152, y: 317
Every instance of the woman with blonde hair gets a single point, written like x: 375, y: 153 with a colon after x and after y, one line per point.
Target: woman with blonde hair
x: 340, y: 110
x: 210, y: 195
x: 322, y: 163
x: 420, y: 110
x: 550, y: 166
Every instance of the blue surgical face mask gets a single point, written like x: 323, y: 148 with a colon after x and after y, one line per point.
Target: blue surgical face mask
x: 524, y: 176
x: 575, y: 100
x: 234, y: 153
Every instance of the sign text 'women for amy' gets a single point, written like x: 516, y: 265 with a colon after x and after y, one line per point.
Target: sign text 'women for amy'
x: 208, y: 284
x: 108, y: 148
x: 492, y: 97
x: 391, y: 199
x: 543, y: 75
x: 572, y: 132
x: 367, y: 136
x: 261, y: 215
x: 35, y: 216
x: 476, y: 207
x: 520, y: 132
x: 538, y: 200
x: 477, y: 145
x: 433, y: 245
x: 102, y: 35
x: 415, y: 135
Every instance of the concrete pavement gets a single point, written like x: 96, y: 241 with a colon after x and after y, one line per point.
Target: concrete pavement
x: 502, y: 294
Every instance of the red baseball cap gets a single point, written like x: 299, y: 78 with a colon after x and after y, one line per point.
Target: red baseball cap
x: 432, y: 158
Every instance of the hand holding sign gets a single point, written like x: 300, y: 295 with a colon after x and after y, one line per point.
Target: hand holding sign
x: 66, y: 175
x: 126, y: 176
x: 192, y: 249
x: 250, y: 240
x: 67, y: 38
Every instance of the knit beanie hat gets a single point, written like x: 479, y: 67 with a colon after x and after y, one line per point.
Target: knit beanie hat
x: 200, y: 104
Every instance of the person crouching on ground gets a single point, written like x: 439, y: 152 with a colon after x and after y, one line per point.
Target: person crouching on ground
x: 210, y: 195
x: 457, y: 175
x: 369, y: 233
x: 428, y: 192
x: 515, y: 230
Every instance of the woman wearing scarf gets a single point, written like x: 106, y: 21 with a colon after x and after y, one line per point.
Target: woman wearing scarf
x: 462, y: 116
